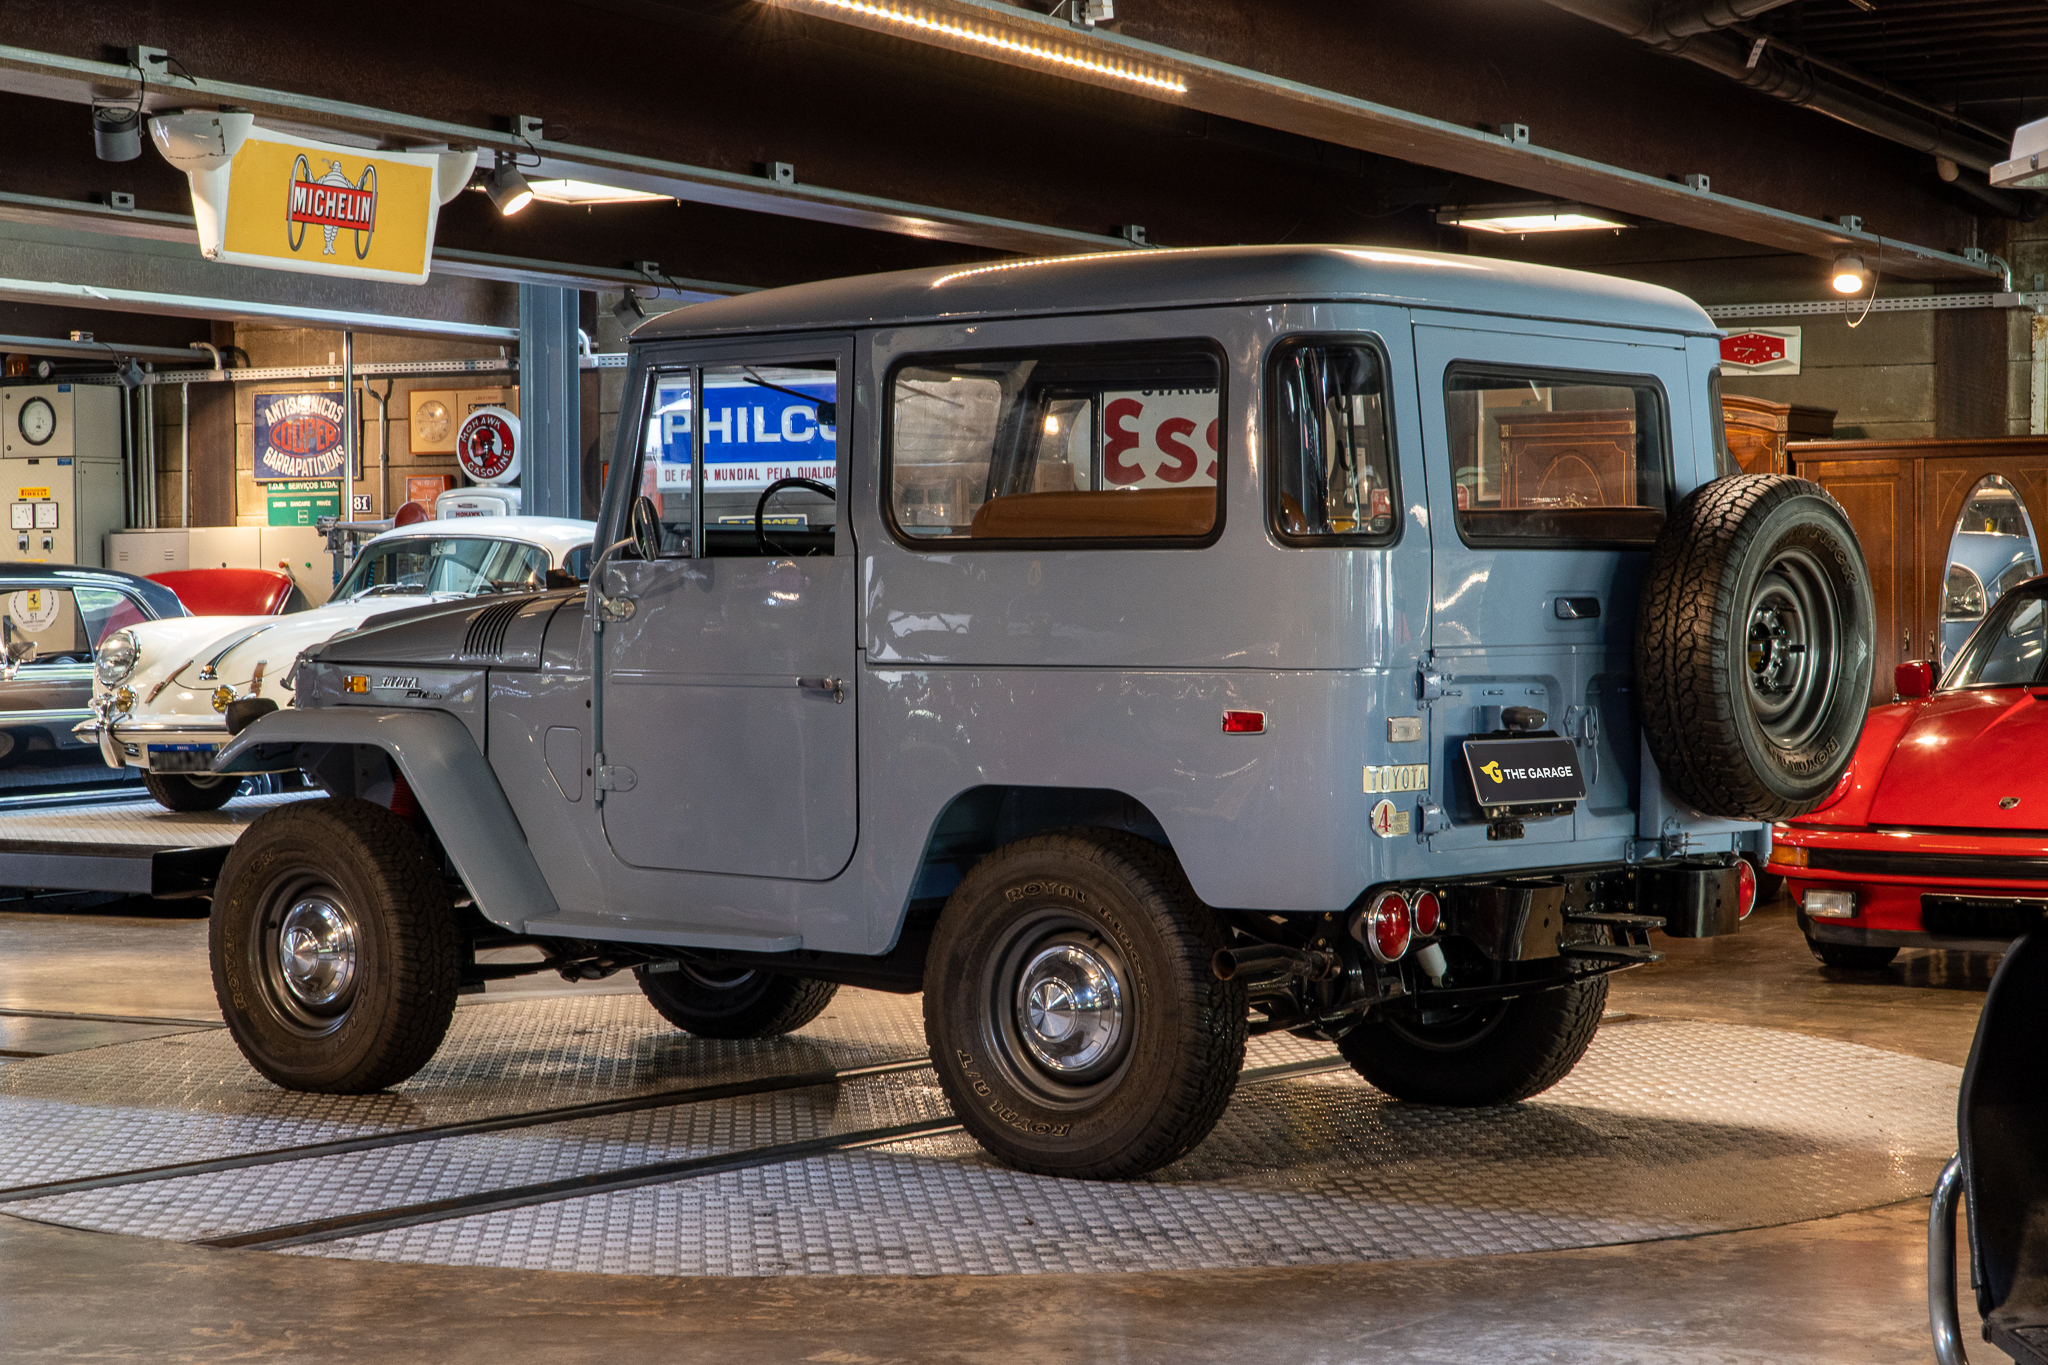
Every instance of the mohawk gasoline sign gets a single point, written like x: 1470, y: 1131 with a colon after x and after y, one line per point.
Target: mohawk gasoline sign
x: 290, y: 204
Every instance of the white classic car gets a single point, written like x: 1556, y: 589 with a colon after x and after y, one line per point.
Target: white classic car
x: 161, y: 688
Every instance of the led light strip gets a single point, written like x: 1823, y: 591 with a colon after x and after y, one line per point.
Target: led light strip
x: 1057, y: 260
x: 1007, y: 41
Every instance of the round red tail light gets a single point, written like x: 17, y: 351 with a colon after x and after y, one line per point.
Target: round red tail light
x: 1386, y: 928
x: 1745, y: 888
x: 1429, y: 915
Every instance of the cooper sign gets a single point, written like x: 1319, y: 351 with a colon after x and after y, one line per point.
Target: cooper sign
x: 290, y: 204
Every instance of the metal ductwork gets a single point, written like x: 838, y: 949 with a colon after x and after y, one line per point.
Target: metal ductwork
x: 1690, y: 31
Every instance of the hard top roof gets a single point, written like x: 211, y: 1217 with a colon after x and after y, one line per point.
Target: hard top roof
x: 1119, y: 281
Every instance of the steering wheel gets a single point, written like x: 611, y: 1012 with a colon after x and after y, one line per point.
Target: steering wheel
x: 761, y: 507
x: 645, y: 527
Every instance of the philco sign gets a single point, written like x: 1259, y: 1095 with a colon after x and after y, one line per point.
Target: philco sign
x: 290, y: 204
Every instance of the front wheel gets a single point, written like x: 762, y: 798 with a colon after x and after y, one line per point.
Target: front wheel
x: 1074, y: 1021
x: 335, y: 954
x: 1487, y: 1054
x: 716, y: 1002
x: 191, y: 791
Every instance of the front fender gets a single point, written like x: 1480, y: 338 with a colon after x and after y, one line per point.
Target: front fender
x: 451, y: 778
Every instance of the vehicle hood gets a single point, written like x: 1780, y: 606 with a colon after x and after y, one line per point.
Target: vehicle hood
x: 497, y: 630
x: 1963, y: 754
x: 182, y: 646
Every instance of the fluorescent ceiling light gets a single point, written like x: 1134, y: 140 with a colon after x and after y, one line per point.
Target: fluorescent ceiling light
x: 1007, y: 40
x: 1521, y: 218
x: 588, y: 192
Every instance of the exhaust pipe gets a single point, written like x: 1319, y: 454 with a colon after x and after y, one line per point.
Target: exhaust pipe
x: 1269, y: 967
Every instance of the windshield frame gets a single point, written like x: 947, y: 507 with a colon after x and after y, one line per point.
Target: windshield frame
x: 1971, y: 657
x: 376, y: 548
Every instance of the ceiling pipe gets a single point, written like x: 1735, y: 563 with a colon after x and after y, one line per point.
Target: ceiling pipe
x: 1706, y: 47
x: 1704, y: 16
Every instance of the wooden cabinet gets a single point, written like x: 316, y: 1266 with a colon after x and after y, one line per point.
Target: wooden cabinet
x: 1759, y: 429
x: 1903, y: 498
x: 1569, y: 459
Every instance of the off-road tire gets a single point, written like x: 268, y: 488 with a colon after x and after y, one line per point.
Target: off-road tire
x: 1125, y: 903
x: 1852, y: 957
x: 178, y: 791
x: 1497, y: 1054
x: 1733, y: 739
x: 407, y: 963
x: 714, y: 1003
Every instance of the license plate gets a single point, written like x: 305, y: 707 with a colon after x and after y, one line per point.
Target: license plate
x: 1524, y: 772
x: 181, y: 758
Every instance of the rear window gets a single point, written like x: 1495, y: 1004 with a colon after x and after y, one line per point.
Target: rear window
x: 1543, y: 458
x: 1099, y: 444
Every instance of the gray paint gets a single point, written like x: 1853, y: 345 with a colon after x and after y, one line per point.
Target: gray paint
x: 1104, y: 670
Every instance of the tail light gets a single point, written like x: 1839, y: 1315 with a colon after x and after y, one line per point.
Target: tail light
x: 1745, y: 888
x: 1429, y: 915
x: 1386, y: 927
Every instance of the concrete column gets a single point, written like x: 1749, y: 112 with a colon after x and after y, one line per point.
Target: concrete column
x: 549, y: 399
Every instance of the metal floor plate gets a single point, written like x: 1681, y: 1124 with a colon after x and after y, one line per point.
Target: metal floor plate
x: 141, y: 824
x: 1666, y: 1129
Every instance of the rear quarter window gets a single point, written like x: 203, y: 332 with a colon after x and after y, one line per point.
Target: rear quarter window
x: 1545, y: 458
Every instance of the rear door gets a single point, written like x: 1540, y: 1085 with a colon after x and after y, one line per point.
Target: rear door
x: 1550, y: 456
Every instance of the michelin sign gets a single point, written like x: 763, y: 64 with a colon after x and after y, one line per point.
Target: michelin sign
x: 281, y: 203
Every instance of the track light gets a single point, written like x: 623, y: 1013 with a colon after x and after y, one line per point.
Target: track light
x: 1849, y: 275
x: 116, y: 132
x: 508, y: 188
x: 628, y: 310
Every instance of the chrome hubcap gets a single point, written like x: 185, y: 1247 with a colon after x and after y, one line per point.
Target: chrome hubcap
x: 316, y: 952
x: 1070, y: 1009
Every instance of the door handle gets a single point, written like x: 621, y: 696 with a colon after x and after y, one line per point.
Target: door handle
x: 836, y: 686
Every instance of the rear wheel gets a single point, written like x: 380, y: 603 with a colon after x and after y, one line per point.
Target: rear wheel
x: 1074, y: 1020
x: 733, y: 1002
x: 1753, y: 647
x: 1489, y: 1054
x: 1852, y: 957
x: 191, y: 791
x: 335, y: 955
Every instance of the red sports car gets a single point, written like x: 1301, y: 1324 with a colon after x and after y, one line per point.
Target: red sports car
x: 1937, y: 836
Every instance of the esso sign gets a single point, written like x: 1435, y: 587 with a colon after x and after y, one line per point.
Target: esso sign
x: 1159, y: 438
x: 487, y: 446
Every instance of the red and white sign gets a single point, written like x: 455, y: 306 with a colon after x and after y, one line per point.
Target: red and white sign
x: 487, y: 445
x: 1159, y: 438
x: 1761, y: 350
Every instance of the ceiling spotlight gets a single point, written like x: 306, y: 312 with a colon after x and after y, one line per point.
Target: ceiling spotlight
x: 1849, y: 275
x: 508, y: 188
x: 1515, y: 219
x: 628, y: 310
x: 116, y: 132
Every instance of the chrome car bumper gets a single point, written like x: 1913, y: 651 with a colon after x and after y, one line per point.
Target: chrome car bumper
x: 124, y: 742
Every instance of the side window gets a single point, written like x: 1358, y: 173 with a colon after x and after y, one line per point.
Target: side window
x: 1725, y: 462
x: 1062, y: 444
x: 65, y: 625
x: 1332, y: 473
x: 763, y: 426
x: 1543, y: 458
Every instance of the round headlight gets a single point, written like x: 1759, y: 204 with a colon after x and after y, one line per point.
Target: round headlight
x: 116, y: 658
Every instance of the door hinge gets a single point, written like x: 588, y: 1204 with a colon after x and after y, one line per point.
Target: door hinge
x: 1431, y: 683
x: 616, y: 777
x: 836, y: 686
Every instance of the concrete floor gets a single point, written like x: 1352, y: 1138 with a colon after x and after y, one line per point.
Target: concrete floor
x: 1844, y: 1289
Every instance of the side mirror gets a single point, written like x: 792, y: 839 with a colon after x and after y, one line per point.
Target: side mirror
x: 1913, y: 680
x: 19, y: 652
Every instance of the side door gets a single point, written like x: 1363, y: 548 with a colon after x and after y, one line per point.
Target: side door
x: 725, y: 703
x: 1551, y: 469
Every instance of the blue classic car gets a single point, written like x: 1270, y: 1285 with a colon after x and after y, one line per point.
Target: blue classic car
x: 1129, y: 652
x: 53, y: 617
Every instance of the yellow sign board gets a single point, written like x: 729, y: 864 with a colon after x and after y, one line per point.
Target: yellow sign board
x: 31, y: 494
x: 291, y: 204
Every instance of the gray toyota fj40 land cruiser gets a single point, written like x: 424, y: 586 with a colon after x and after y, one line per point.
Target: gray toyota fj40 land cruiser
x: 1129, y: 652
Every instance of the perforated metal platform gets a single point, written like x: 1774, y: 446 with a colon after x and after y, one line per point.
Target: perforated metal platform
x: 1666, y: 1129
x: 136, y: 847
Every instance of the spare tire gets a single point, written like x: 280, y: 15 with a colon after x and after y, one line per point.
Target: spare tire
x: 1753, y: 647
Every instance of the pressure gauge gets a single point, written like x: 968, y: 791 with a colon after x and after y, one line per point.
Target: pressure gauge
x: 38, y: 421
